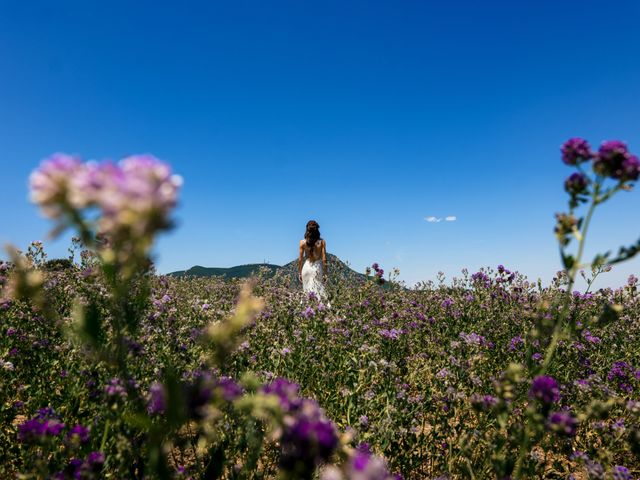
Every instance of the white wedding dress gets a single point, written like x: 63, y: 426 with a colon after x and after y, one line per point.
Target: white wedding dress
x: 312, y: 281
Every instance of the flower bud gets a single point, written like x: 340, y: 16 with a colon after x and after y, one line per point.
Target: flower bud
x: 576, y: 184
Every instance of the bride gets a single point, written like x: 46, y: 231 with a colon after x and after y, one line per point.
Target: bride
x: 312, y: 262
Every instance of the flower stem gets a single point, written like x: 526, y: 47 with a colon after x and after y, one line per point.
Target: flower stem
x: 560, y: 327
x: 104, y: 436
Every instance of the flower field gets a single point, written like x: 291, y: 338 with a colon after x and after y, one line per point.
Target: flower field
x: 109, y: 370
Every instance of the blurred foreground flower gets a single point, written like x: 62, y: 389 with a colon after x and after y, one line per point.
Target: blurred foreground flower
x: 563, y: 423
x: 132, y: 199
x: 308, y: 438
x: 362, y: 465
x: 545, y: 389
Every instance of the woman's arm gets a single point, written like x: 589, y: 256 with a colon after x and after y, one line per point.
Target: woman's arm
x: 300, y: 259
x: 324, y: 257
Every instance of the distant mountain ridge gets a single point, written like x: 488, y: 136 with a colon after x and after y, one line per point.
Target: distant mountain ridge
x: 334, y: 265
x: 239, y: 271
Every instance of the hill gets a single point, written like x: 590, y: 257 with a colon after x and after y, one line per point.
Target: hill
x: 239, y: 271
x: 336, y: 267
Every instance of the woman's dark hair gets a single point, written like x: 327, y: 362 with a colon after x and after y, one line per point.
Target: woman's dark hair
x: 312, y: 234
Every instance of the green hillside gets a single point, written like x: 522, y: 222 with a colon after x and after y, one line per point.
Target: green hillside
x: 336, y: 267
x: 239, y: 271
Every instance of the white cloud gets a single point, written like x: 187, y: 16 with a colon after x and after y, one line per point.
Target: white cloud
x: 449, y: 218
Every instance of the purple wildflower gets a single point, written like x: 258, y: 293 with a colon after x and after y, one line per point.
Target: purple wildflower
x: 47, y: 412
x: 379, y: 273
x: 88, y: 469
x: 590, y: 338
x: 575, y: 150
x: 621, y: 473
x: 576, y: 183
x: 309, y: 438
x: 514, y: 342
x: 134, y: 197
x: 392, y: 334
x: 31, y: 429
x: 364, y: 421
x: 95, y: 458
x: 115, y: 389
x: 363, y: 465
x: 545, y: 389
x: 483, y: 402
x: 594, y: 470
x: 198, y: 393
x: 286, y: 391
x: 621, y: 374
x: 38, y: 428
x: 79, y: 433
x: 364, y: 447
x: 50, y: 184
x: 473, y: 339
x: 228, y: 388
x: 615, y: 161
x: 630, y: 169
x: 156, y: 400
x: 482, y: 279
x: 447, y: 302
x: 563, y: 423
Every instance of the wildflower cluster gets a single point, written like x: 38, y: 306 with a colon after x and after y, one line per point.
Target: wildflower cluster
x: 110, y: 371
x: 132, y: 199
x: 378, y: 274
x: 117, y: 209
x: 309, y: 438
x: 612, y: 161
x: 362, y: 465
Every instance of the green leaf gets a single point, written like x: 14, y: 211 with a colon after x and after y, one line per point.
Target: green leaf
x: 158, y: 462
x: 626, y: 253
x: 175, y: 398
x: 137, y: 420
x: 88, y: 322
x: 567, y: 261
x: 599, y: 260
x: 215, y: 468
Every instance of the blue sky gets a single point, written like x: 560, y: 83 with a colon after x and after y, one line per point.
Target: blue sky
x: 366, y: 116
